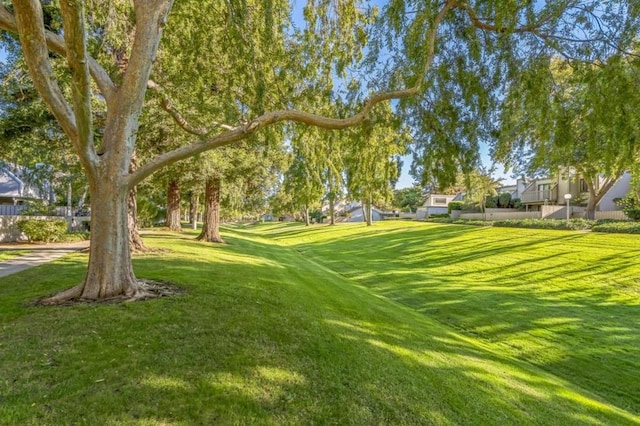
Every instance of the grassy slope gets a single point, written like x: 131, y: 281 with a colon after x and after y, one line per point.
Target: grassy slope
x: 265, y: 335
x: 567, y: 302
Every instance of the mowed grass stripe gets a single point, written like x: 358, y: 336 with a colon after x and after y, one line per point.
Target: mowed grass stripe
x: 568, y: 302
x: 263, y: 336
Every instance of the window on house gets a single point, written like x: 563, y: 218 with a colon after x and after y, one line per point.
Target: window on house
x: 439, y: 201
x: 543, y: 187
x: 583, y: 186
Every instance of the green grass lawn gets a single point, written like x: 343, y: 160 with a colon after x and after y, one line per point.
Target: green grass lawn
x: 10, y: 254
x: 400, y: 323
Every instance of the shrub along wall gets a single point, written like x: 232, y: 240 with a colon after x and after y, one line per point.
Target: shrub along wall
x: 618, y: 227
x: 603, y: 225
x: 9, y: 231
x: 47, y: 231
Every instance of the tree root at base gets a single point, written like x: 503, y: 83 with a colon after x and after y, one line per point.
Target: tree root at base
x: 144, y: 290
x: 211, y: 240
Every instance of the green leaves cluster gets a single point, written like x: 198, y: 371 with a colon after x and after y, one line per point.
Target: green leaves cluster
x: 630, y: 206
x: 47, y: 231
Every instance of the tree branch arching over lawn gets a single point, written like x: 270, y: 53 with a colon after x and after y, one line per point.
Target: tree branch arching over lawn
x: 107, y: 164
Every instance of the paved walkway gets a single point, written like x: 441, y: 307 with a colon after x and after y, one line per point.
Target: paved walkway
x: 38, y: 254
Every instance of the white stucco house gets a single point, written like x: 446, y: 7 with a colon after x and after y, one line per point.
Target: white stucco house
x: 16, y: 188
x: 435, y: 204
x: 551, y: 191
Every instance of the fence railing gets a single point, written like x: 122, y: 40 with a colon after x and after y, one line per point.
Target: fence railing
x: 549, y: 195
x: 16, y: 210
x: 11, y: 210
x: 612, y: 214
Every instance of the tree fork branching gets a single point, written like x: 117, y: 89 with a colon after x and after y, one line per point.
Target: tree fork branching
x: 73, y: 22
x: 57, y: 45
x: 30, y: 28
x: 242, y: 132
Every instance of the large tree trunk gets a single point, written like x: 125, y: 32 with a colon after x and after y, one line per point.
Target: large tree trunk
x: 173, y: 207
x: 110, y: 273
x: 211, y: 224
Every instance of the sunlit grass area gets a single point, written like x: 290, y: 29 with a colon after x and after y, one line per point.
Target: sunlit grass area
x: 567, y: 302
x: 322, y: 325
x: 10, y: 254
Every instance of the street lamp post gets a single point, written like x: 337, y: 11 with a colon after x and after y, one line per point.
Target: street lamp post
x: 567, y: 197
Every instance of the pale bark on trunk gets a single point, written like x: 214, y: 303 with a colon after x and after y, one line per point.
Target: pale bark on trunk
x: 367, y: 210
x: 596, y: 195
x: 332, y: 198
x: 173, y: 207
x: 83, y: 198
x: 193, y: 209
x: 211, y: 224
x: 110, y: 273
x: 135, y: 241
x: 305, y: 212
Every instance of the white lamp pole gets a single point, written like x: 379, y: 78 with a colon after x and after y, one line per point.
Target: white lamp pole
x: 568, y: 198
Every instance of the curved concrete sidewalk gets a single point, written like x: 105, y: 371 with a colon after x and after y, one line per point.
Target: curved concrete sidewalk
x: 37, y: 255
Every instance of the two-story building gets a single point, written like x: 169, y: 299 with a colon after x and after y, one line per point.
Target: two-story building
x: 435, y: 204
x: 552, y: 190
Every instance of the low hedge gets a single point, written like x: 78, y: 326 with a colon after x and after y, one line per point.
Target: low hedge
x: 458, y: 221
x: 47, y: 231
x: 572, y: 224
x: 455, y: 205
x: 602, y: 225
x: 618, y: 227
x: 439, y: 215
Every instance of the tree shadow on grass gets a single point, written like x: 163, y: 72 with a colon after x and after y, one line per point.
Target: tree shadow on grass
x: 554, y: 300
x: 267, y: 340
x: 275, y: 341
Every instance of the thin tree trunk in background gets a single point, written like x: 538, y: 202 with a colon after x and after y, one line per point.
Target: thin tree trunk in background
x: 82, y: 200
x: 367, y: 211
x: 332, y: 199
x: 211, y: 224
x: 135, y: 241
x: 193, y: 209
x: 332, y: 211
x: 305, y: 212
x: 173, y: 207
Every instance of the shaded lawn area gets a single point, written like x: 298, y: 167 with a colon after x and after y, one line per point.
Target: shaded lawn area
x: 264, y: 335
x: 567, y: 302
